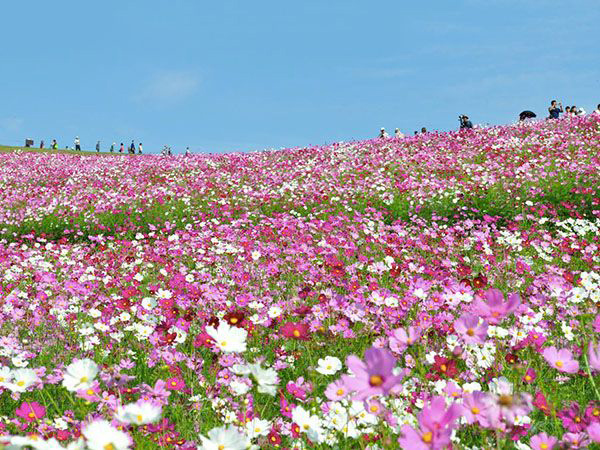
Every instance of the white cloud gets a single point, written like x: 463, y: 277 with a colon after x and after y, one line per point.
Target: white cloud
x: 12, y: 124
x: 169, y: 87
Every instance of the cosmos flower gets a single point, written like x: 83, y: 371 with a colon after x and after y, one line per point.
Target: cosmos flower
x: 374, y: 376
x: 79, y: 375
x: 542, y: 441
x: 139, y: 413
x: 492, y: 306
x: 227, y: 338
x: 101, y: 435
x: 328, y: 365
x: 470, y: 329
x: 562, y: 360
x: 224, y: 438
x: 31, y: 411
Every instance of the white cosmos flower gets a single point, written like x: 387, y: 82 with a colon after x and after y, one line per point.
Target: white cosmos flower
x: 140, y: 413
x: 80, y: 375
x: 101, y: 435
x: 224, y: 438
x: 229, y: 339
x: 309, y: 424
x: 266, y: 379
x: 257, y: 427
x: 329, y: 365
x: 5, y: 374
x: 22, y: 379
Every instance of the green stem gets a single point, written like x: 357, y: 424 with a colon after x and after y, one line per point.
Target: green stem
x: 589, y: 372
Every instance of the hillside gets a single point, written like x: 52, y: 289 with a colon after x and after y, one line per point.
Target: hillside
x: 439, y: 288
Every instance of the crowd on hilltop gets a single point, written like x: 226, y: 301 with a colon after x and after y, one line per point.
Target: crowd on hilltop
x: 554, y: 111
x: 131, y: 149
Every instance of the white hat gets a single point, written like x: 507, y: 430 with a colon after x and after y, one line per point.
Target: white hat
x: 382, y: 128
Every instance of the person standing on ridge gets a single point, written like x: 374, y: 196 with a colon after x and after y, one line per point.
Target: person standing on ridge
x: 132, y: 147
x: 597, y: 110
x: 112, y: 147
x: 122, y: 148
x: 555, y: 110
x: 383, y: 134
x: 77, y: 144
x: 98, y: 147
x: 140, y: 149
x: 398, y: 134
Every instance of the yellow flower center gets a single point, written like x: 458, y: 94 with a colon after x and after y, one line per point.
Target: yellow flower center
x: 505, y: 400
x: 20, y: 383
x: 223, y: 343
x: 475, y: 410
x: 340, y: 392
x: 543, y: 445
x: 374, y: 408
x: 444, y: 367
x: 527, y: 378
x: 296, y: 333
x: 234, y: 320
x: 139, y: 418
x: 31, y: 415
x: 375, y: 380
x: 109, y: 447
x: 305, y: 426
x: 89, y: 392
x: 470, y: 332
x: 427, y: 437
x: 559, y: 364
x: 83, y: 380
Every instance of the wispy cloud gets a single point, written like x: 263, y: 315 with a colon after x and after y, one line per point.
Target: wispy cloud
x: 169, y: 87
x: 11, y: 124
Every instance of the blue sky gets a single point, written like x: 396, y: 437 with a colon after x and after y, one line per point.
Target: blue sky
x: 240, y: 75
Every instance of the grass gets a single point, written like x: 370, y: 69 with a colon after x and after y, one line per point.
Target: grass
x: 12, y: 149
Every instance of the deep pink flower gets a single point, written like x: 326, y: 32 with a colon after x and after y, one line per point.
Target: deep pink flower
x: 374, y: 376
x: 30, y: 411
x: 530, y: 376
x: 542, y: 441
x: 493, y: 307
x: 470, y: 330
x: 572, y: 418
x: 295, y: 330
x: 562, y: 360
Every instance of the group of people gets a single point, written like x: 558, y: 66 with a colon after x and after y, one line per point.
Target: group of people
x: 555, y: 110
x: 130, y: 148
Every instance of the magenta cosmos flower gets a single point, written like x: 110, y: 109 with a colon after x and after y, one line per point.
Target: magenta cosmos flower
x: 562, y: 360
x: 30, y: 411
x: 435, y: 426
x: 492, y: 306
x: 470, y: 330
x: 372, y: 377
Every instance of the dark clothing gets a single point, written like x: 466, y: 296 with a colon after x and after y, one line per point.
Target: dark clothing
x: 466, y: 124
x: 555, y: 112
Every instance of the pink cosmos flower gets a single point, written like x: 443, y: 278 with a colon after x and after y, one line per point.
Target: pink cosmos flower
x: 30, y: 411
x: 494, y: 308
x: 336, y: 391
x: 401, y: 338
x: 374, y: 376
x: 594, y: 356
x: 476, y: 408
x: 470, y: 330
x: 435, y: 426
x: 506, y: 404
x: 562, y: 360
x: 542, y: 441
x: 575, y: 440
x: 594, y: 431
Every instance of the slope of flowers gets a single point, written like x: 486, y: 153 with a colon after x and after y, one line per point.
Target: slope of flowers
x: 436, y: 291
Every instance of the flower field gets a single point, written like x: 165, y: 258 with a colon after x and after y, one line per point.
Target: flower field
x: 439, y: 291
